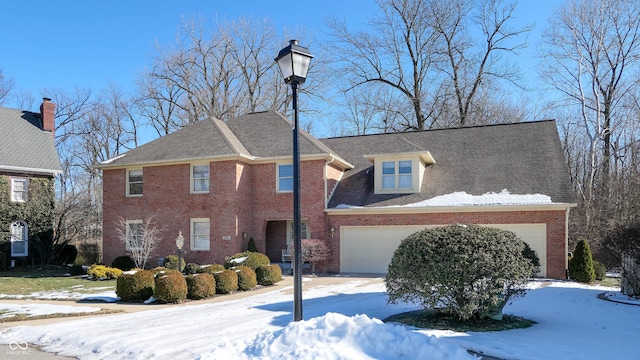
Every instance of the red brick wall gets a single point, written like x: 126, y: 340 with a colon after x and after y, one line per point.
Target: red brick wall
x: 168, y: 200
x: 555, y: 220
x: 242, y: 198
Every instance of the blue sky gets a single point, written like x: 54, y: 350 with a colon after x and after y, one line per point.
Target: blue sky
x: 67, y: 44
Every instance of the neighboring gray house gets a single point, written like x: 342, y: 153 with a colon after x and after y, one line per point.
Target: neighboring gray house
x: 28, y: 164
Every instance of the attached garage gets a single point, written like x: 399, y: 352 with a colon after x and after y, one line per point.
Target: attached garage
x: 368, y: 249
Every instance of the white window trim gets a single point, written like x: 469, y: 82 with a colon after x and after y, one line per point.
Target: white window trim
x: 128, y: 187
x: 26, y: 189
x: 397, y: 175
x: 192, y: 241
x: 302, y: 235
x: 128, y: 246
x: 278, y: 177
x: 25, y: 239
x: 192, y: 179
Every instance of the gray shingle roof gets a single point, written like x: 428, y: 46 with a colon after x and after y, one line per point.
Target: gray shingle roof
x: 24, y: 146
x: 258, y: 135
x: 524, y: 158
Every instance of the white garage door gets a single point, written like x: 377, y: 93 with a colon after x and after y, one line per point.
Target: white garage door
x: 366, y: 249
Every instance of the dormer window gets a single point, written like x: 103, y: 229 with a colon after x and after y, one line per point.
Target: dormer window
x: 399, y: 173
x: 396, y: 175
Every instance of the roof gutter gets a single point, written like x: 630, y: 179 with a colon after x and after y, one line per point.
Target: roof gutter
x: 31, y: 170
x: 448, y: 209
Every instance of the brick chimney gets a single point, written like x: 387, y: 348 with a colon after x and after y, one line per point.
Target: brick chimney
x: 47, y: 112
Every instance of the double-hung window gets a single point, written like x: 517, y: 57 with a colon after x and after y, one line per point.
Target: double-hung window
x: 200, y: 234
x: 134, y: 182
x: 396, y: 175
x: 19, y: 239
x: 200, y: 178
x: 285, y: 177
x: 135, y: 234
x: 19, y: 189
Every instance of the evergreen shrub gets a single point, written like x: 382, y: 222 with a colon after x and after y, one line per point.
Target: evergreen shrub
x: 600, y: 270
x: 191, y: 268
x: 251, y: 247
x: 76, y: 270
x: 136, y: 287
x: 171, y: 262
x: 101, y: 272
x: 226, y: 281
x: 581, y: 264
x: 268, y: 274
x: 171, y: 288
x: 211, y: 269
x: 246, y: 278
x: 254, y: 260
x: 200, y: 286
x: 468, y: 271
x: 124, y: 263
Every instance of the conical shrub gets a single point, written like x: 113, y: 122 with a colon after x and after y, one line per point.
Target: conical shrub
x: 581, y: 264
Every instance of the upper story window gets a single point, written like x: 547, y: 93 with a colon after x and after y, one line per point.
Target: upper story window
x: 200, y: 178
x: 19, y: 239
x: 200, y: 234
x: 134, y: 182
x: 19, y: 189
x: 285, y: 177
x: 135, y: 234
x: 401, y: 173
x: 396, y: 175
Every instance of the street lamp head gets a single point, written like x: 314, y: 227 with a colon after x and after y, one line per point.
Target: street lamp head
x: 180, y: 241
x: 294, y: 62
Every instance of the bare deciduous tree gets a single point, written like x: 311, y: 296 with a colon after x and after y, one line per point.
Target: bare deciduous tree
x: 592, y: 58
x: 6, y: 86
x: 423, y: 50
x: 140, y: 239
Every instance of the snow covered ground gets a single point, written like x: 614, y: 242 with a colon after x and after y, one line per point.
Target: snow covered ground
x: 573, y: 323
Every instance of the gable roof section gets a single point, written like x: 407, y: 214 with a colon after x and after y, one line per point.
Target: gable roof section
x: 268, y: 134
x: 24, y: 146
x: 255, y: 136
x: 523, y: 158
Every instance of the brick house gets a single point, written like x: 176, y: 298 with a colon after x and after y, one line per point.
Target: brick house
x: 223, y: 182
x: 28, y: 164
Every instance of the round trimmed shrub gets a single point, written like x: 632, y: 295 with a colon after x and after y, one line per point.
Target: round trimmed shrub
x: 226, y: 281
x: 200, y: 286
x: 254, y: 260
x: 136, y: 287
x: 246, y: 278
x: 268, y: 274
x: 170, y: 288
x: 101, y: 272
x: 581, y: 264
x: 600, y: 270
x: 211, y: 269
x: 468, y: 271
x: 531, y: 254
x: 66, y: 254
x: 124, y: 263
x: 191, y: 268
x: 76, y: 270
x: 171, y: 262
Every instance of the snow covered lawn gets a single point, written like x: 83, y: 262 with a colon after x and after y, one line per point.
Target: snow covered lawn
x: 342, y: 324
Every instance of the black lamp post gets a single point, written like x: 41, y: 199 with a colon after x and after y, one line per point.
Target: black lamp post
x: 179, y: 245
x: 294, y: 61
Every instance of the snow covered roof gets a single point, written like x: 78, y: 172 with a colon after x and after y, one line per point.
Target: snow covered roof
x: 506, y: 164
